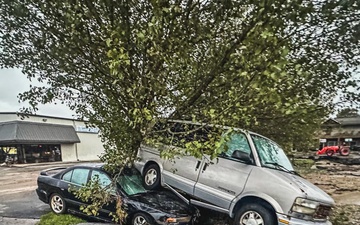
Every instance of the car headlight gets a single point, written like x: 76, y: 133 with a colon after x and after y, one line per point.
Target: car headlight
x: 174, y: 220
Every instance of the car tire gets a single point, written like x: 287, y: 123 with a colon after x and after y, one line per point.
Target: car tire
x: 57, y: 204
x: 142, y: 219
x: 330, y: 152
x: 152, y: 177
x: 258, y: 214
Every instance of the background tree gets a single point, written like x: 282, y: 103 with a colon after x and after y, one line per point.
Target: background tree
x: 348, y: 112
x: 269, y: 65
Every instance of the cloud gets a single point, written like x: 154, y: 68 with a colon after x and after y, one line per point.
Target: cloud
x: 13, y: 82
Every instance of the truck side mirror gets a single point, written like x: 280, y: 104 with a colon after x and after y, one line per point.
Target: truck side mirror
x: 243, y: 156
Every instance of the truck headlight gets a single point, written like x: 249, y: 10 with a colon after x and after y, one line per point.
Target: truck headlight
x: 304, y: 209
x: 310, y: 210
x: 305, y: 206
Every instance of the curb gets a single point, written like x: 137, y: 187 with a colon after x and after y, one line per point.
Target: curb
x: 21, y: 221
x: 89, y: 223
x: 18, y: 221
x: 44, y: 164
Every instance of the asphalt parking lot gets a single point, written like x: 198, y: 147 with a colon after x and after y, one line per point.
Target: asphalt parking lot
x: 19, y: 203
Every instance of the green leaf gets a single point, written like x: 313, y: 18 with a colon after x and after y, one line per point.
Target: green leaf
x: 141, y: 35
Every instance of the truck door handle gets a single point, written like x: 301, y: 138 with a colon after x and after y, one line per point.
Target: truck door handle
x: 205, y: 166
x: 197, y: 165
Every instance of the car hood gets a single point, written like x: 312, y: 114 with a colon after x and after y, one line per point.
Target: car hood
x: 307, y: 188
x: 164, y: 201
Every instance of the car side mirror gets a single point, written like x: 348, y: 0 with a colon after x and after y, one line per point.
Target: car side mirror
x: 43, y: 173
x: 243, y: 156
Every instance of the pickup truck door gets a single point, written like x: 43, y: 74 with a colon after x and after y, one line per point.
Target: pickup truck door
x: 224, y: 178
x: 182, y: 172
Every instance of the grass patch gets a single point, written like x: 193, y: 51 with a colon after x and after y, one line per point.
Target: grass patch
x: 303, y: 166
x: 346, y: 215
x: 64, y: 219
x: 303, y: 163
x: 340, y: 217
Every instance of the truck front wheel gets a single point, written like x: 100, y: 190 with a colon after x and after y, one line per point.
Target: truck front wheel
x: 330, y: 152
x: 254, y: 214
x: 152, y: 177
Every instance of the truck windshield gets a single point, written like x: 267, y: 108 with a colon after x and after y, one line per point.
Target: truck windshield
x: 271, y: 155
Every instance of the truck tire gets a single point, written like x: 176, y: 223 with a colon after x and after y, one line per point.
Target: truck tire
x: 152, y: 177
x: 330, y: 152
x: 344, y: 151
x: 256, y: 214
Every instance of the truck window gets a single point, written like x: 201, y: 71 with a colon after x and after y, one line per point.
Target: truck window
x: 178, y: 134
x: 235, y: 141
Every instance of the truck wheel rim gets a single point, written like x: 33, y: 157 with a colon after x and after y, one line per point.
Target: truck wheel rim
x: 150, y: 177
x: 57, y: 204
x: 251, y: 218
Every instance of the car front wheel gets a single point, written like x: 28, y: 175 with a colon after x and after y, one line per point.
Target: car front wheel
x: 142, y: 219
x: 57, y: 204
x: 152, y: 177
x: 254, y: 214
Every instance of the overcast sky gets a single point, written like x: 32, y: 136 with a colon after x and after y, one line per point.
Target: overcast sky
x: 13, y: 82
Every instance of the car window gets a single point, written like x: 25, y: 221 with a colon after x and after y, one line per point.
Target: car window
x: 67, y: 176
x: 104, y: 180
x: 236, y: 141
x: 80, y: 176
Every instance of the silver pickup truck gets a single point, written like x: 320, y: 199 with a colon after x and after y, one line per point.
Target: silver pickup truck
x: 253, y: 182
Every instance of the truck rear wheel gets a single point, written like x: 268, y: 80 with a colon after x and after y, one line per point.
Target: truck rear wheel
x: 254, y: 214
x: 344, y: 151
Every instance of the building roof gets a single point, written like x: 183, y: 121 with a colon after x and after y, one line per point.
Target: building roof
x: 23, y: 132
x: 349, y: 121
x: 38, y: 115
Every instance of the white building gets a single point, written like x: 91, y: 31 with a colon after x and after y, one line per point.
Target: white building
x: 38, y: 138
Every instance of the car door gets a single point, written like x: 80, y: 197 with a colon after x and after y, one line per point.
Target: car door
x: 223, y: 178
x: 105, y: 182
x: 75, y: 179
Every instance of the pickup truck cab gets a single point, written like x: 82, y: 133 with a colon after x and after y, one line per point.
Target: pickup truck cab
x: 252, y: 181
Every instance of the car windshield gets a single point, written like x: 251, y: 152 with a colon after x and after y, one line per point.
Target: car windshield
x: 131, y: 184
x: 271, y: 155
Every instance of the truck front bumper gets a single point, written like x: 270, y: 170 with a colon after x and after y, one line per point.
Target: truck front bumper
x: 285, y: 220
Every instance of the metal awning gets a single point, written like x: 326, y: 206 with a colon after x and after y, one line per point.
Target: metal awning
x: 23, y: 132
